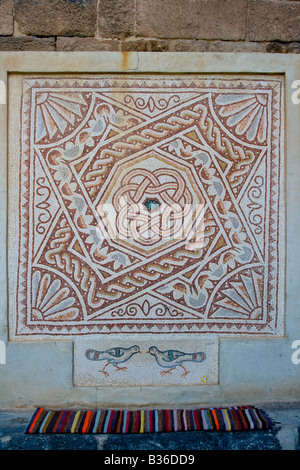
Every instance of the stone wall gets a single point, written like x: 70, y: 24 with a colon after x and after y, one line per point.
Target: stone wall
x: 150, y: 25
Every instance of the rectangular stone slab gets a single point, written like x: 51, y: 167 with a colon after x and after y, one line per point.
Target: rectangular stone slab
x: 152, y: 362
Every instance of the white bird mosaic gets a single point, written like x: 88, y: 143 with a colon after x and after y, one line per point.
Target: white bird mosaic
x: 113, y: 356
x: 170, y: 359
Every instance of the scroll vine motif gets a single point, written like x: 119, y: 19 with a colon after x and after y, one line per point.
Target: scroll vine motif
x: 43, y: 218
x: 134, y: 309
x: 254, y: 193
x: 151, y: 104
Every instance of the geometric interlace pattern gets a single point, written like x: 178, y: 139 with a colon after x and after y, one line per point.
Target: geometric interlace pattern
x: 149, y: 205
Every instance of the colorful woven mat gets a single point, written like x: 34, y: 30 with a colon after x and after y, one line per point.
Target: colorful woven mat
x: 237, y: 418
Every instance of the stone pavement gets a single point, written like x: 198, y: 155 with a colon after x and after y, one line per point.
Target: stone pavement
x: 284, y: 436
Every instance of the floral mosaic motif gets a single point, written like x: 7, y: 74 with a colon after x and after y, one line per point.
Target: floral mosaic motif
x: 54, y: 111
x: 242, y: 298
x: 51, y: 300
x: 156, y: 206
x: 151, y: 104
x: 247, y: 114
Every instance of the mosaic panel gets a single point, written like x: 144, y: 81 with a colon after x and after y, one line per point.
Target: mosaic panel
x: 121, y: 362
x: 147, y: 205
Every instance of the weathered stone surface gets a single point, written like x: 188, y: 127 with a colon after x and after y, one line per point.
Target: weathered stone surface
x: 140, y: 45
x: 6, y: 16
x: 159, y: 45
x: 11, y: 43
x: 56, y: 18
x: 273, y: 21
x: 86, y: 44
x: 284, y: 48
x: 237, y: 46
x: 115, y: 19
x: 188, y: 45
x: 145, y: 45
x: 201, y: 19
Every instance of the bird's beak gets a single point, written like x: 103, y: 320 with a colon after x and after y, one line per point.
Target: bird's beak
x: 148, y: 352
x: 140, y: 352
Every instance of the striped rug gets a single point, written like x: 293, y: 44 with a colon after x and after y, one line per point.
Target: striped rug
x: 237, y: 418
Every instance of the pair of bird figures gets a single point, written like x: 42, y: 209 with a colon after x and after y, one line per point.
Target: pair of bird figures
x: 169, y: 359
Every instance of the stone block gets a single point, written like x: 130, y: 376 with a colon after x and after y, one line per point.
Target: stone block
x: 6, y: 15
x: 11, y: 43
x: 56, y: 18
x: 86, y: 44
x: 158, y: 45
x: 115, y: 19
x: 200, y: 19
x: 188, y: 45
x: 273, y: 21
x: 284, y: 48
x: 139, y: 45
x: 237, y: 46
x: 145, y: 45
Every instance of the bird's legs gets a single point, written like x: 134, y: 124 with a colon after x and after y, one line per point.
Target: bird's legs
x: 186, y: 372
x: 169, y: 371
x: 104, y: 371
x: 119, y: 368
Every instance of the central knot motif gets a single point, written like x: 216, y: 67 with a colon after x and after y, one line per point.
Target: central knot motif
x: 152, y: 205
